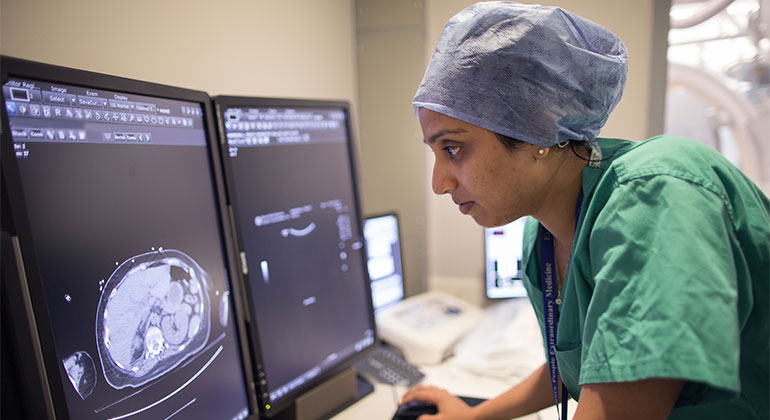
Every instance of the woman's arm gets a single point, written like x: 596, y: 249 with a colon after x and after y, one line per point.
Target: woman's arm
x: 532, y: 394
x: 649, y: 399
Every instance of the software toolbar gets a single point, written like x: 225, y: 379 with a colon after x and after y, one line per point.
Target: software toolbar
x: 253, y: 127
x: 44, y: 112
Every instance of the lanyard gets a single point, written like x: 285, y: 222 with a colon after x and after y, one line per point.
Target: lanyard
x: 547, y: 267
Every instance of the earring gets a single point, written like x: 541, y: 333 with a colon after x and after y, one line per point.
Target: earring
x: 541, y: 152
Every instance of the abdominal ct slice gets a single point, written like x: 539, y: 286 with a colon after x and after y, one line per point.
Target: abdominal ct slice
x: 145, y: 314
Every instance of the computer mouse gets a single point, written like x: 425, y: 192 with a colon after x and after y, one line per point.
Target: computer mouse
x: 414, y: 409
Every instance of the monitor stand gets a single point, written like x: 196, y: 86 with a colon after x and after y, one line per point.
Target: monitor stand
x: 328, y: 398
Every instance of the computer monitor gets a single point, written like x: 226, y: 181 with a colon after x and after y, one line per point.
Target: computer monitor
x: 124, y: 287
x: 503, y: 260
x: 383, y: 259
x: 292, y: 187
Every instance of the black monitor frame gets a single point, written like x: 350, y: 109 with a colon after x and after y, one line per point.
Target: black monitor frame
x: 27, y: 291
x: 400, y: 245
x: 221, y: 104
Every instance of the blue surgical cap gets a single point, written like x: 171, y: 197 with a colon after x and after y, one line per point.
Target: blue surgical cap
x: 538, y: 74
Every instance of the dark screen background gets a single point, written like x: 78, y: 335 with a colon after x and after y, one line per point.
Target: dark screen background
x: 295, y: 337
x: 93, y: 206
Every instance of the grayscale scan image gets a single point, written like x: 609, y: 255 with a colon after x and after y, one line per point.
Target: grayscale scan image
x: 153, y: 314
x: 81, y: 372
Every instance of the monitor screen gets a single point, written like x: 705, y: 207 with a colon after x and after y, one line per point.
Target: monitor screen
x: 119, y: 198
x: 503, y: 260
x: 290, y: 178
x: 383, y: 259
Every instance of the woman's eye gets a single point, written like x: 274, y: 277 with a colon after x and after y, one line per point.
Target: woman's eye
x: 452, y: 151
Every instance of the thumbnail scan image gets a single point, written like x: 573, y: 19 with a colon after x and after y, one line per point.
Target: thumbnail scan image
x: 153, y: 314
x: 81, y: 372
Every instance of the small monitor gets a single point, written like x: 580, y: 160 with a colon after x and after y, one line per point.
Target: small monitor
x: 114, y: 192
x: 383, y: 256
x: 292, y: 187
x: 503, y: 260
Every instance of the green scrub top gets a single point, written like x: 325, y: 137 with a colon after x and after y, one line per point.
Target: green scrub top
x: 668, y: 278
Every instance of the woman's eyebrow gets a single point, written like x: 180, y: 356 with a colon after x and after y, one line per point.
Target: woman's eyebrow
x: 436, y: 136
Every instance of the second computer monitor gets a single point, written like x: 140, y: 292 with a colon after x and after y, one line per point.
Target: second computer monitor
x: 383, y: 249
x: 291, y: 183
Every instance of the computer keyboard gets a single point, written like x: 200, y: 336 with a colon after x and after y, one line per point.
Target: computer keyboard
x: 386, y: 366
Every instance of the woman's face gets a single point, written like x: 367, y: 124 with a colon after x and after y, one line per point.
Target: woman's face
x: 489, y: 182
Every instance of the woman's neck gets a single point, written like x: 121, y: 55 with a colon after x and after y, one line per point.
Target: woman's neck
x: 557, y: 213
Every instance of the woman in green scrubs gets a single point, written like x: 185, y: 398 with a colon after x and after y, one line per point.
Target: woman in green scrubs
x: 647, y: 262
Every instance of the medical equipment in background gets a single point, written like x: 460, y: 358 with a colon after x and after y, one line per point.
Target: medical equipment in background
x: 719, y: 80
x: 428, y: 325
x: 424, y: 327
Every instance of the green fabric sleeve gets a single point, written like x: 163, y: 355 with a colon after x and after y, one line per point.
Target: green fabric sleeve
x: 665, y: 296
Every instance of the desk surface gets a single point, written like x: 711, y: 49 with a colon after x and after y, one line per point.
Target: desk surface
x: 502, y: 351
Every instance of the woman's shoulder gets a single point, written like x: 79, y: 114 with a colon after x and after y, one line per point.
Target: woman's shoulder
x: 675, y: 156
x: 672, y: 165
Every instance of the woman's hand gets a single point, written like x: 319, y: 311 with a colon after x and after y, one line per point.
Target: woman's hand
x: 449, y: 406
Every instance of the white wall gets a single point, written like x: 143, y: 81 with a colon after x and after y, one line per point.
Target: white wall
x: 455, y: 253
x: 391, y: 60
x: 300, y: 48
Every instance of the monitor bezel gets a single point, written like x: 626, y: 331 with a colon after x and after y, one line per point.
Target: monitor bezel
x: 11, y: 67
x: 400, y: 249
x: 221, y: 104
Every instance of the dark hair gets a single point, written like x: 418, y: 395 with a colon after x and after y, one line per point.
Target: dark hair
x: 576, y: 146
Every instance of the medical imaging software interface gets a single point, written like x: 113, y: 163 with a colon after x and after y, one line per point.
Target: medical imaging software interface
x: 503, y: 255
x: 122, y: 211
x: 383, y: 249
x: 292, y: 187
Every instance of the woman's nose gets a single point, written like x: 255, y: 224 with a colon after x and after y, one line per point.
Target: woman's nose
x: 443, y: 181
